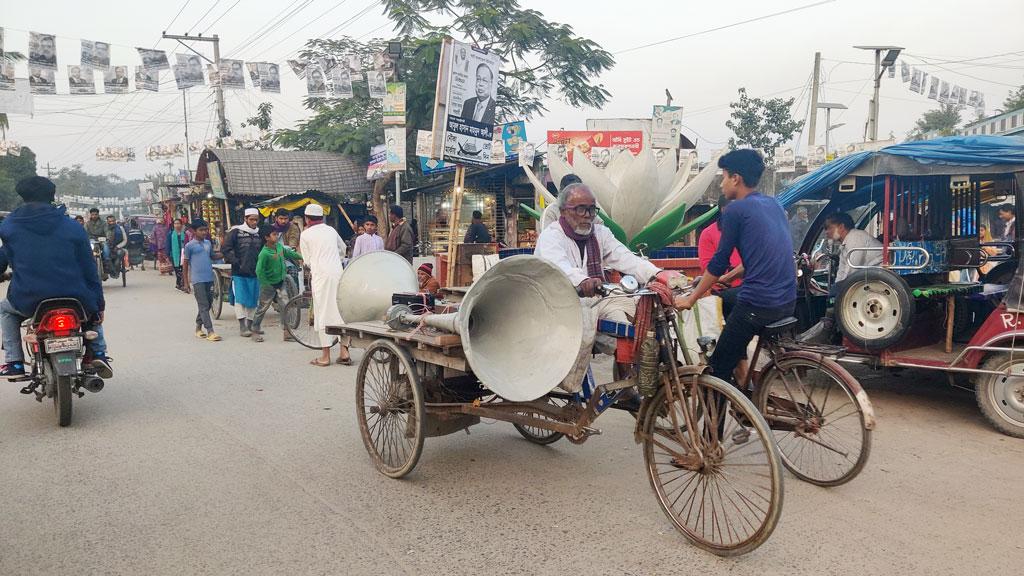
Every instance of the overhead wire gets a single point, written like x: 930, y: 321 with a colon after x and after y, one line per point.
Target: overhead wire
x: 223, y: 14
x: 259, y: 31
x: 301, y: 28
x: 210, y: 9
x: 280, y: 23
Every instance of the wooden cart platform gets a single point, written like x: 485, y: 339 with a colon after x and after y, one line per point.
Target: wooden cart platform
x: 440, y: 349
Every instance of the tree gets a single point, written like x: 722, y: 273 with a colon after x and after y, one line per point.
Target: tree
x: 12, y: 170
x: 762, y: 124
x: 1015, y: 100
x: 942, y: 121
x: 263, y: 122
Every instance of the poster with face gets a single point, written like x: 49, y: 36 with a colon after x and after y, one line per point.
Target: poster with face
x: 377, y: 84
x: 7, y: 76
x: 147, y: 79
x: 394, y: 104
x: 80, y: 80
x: 96, y: 55
x: 40, y: 80
x: 394, y: 140
x: 961, y: 95
x: 472, y: 92
x: 353, y: 62
x: 816, y: 158
x: 382, y: 61
x: 341, y: 82
x: 232, y: 74
x: 944, y: 92
x: 42, y: 50
x: 904, y: 71
x: 915, y: 81
x: 188, y: 71
x: 315, y: 84
x: 115, y: 80
x: 270, y: 77
x: 933, y: 89
x: 154, y: 59
x: 298, y: 67
x: 785, y: 160
x: 666, y: 123
x: 254, y: 73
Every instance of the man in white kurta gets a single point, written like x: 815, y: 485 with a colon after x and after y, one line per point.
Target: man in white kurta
x: 322, y: 250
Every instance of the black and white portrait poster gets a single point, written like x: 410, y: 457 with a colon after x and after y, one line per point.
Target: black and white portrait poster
x: 40, y: 80
x: 298, y: 67
x: 7, y: 76
x: 254, y: 73
x: 377, y: 83
x: 471, y: 109
x: 915, y: 81
x: 353, y: 62
x: 42, y: 51
x: 341, y: 82
x: 80, y: 80
x: 933, y: 89
x: 944, y: 92
x: 666, y: 122
x: 316, y: 85
x: 904, y: 71
x: 188, y: 71
x: 270, y: 77
x: 96, y: 55
x: 115, y: 80
x: 326, y: 64
x: 785, y: 160
x: 382, y: 61
x: 961, y: 95
x: 154, y: 59
x: 146, y: 79
x: 232, y: 74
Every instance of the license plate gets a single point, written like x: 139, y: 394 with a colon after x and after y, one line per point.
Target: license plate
x: 70, y: 344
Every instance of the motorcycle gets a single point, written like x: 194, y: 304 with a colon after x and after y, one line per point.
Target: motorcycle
x: 97, y: 254
x: 55, y: 343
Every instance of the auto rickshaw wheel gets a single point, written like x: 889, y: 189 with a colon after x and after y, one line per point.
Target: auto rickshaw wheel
x: 1001, y: 397
x: 874, y: 308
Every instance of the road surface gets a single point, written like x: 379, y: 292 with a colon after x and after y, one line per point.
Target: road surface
x: 240, y: 458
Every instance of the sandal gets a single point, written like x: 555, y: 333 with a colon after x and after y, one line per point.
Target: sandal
x: 344, y: 361
x: 317, y: 362
x: 257, y: 337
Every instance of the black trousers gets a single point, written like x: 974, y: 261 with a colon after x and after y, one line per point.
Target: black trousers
x: 743, y: 323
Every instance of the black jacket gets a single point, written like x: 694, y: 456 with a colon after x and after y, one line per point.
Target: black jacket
x: 241, y: 249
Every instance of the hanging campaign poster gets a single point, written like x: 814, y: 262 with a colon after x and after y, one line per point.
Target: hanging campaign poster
x: 115, y: 80
x: 254, y: 73
x: 298, y: 67
x: 394, y: 140
x: 376, y: 82
x: 465, y: 107
x: 666, y: 125
x: 785, y: 160
x: 147, y: 79
x: 6, y: 76
x: 154, y: 59
x: 394, y: 104
x: 944, y: 92
x: 188, y: 71
x: 816, y: 158
x: 527, y: 152
x: 933, y: 89
x: 904, y: 71
x: 513, y: 135
x: 80, y: 80
x: 595, y: 144
x: 96, y: 55
x: 353, y: 62
x: 915, y: 81
x: 424, y: 143
x: 270, y: 77
x: 42, y: 50
x: 232, y: 74
x: 41, y: 80
x: 378, y: 156
x: 315, y: 84
x: 341, y: 82
x: 431, y: 166
x: 497, y: 147
x: 694, y: 163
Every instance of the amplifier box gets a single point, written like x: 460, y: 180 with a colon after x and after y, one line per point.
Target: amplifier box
x: 419, y: 302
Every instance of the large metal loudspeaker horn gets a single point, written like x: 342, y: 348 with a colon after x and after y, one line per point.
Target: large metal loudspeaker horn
x: 368, y: 283
x: 521, y: 326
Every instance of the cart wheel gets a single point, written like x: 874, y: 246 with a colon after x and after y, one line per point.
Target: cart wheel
x: 218, y: 297
x: 540, y: 435
x: 874, y: 308
x: 1001, y: 397
x: 389, y: 407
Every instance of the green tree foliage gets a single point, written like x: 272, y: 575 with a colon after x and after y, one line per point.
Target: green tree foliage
x: 1014, y: 101
x: 942, y: 121
x: 262, y: 121
x: 74, y: 181
x: 762, y: 124
x: 12, y: 170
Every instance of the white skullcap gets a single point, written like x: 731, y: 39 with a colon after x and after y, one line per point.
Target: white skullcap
x: 314, y: 210
x: 251, y: 212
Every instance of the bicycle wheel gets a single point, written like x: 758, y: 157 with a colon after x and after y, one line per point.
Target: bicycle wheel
x: 816, y: 419
x: 217, y: 305
x: 542, y: 436
x: 721, y: 484
x: 389, y: 407
x: 297, y: 319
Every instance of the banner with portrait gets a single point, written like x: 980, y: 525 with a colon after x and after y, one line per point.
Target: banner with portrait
x: 785, y: 160
x: 377, y: 84
x: 375, y: 170
x: 96, y: 55
x: 316, y: 85
x: 298, y: 67
x: 270, y: 77
x: 41, y: 80
x: 154, y: 59
x: 147, y: 79
x: 341, y: 82
x: 188, y: 71
x: 115, y: 80
x: 42, y: 51
x: 232, y: 74
x: 254, y: 73
x: 394, y: 104
x: 7, y: 76
x: 81, y: 80
x: 597, y: 145
x: 468, y: 84
x: 394, y: 142
x: 666, y: 125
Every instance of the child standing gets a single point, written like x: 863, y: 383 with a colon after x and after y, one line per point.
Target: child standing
x: 197, y: 273
x: 271, y: 270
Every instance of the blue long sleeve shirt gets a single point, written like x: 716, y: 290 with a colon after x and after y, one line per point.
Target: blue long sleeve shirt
x: 758, y: 228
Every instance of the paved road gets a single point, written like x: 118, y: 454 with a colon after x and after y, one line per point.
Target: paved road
x: 239, y: 458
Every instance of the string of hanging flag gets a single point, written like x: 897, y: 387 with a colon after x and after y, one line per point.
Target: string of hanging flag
x: 942, y: 91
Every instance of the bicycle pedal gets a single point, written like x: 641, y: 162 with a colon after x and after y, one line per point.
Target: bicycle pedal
x: 26, y: 390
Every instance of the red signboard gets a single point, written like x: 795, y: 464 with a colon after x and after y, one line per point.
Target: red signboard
x: 593, y: 142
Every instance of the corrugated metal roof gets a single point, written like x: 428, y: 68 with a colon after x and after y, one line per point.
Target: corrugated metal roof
x: 275, y: 173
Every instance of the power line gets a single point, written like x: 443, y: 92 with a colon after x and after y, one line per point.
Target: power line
x: 301, y: 28
x: 225, y: 13
x: 259, y: 31
x: 925, y: 60
x: 193, y: 27
x: 175, y: 19
x: 734, y: 24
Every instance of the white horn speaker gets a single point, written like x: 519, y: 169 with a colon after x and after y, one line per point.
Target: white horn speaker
x: 521, y: 326
x: 368, y: 283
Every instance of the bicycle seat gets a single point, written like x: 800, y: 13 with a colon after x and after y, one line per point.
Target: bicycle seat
x: 778, y: 328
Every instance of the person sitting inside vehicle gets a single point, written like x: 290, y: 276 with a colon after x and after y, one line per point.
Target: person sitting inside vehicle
x: 51, y: 258
x: 840, y: 228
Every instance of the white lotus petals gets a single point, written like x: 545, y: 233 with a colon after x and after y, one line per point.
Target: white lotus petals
x: 597, y: 180
x: 558, y: 167
x: 539, y: 186
x: 617, y: 166
x: 688, y: 192
x: 638, y: 196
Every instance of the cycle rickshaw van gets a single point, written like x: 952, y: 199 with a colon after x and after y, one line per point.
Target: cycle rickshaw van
x: 948, y: 293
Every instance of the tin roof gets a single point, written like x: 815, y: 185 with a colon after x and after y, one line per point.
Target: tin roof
x: 267, y: 173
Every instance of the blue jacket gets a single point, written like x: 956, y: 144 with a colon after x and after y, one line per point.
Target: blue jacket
x: 51, y: 258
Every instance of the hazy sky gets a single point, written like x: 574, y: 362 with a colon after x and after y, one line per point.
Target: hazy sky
x: 973, y: 44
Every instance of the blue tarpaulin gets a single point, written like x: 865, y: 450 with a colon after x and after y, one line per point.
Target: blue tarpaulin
x: 954, y: 150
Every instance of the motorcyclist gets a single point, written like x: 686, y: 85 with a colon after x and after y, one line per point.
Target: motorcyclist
x: 51, y: 258
x: 97, y: 229
x: 117, y: 239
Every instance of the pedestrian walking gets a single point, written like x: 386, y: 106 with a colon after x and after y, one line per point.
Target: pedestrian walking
x: 368, y: 241
x: 271, y: 271
x: 401, y: 239
x: 322, y: 250
x: 242, y: 249
x: 197, y: 269
x: 175, y: 244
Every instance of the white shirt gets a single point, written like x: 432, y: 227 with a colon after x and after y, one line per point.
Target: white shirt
x: 322, y: 249
x: 366, y: 243
x: 562, y: 251
x: 551, y: 214
x: 857, y: 239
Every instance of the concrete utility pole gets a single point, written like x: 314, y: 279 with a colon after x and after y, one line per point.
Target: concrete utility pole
x: 814, y: 99
x: 891, y: 53
x: 222, y: 123
x: 829, y: 106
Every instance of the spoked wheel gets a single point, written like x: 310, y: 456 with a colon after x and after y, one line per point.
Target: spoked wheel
x: 818, y: 423
x: 721, y: 484
x: 217, y: 306
x: 297, y: 319
x: 542, y: 436
x: 1001, y: 397
x: 389, y: 407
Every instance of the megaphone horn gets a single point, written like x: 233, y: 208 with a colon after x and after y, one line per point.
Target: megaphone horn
x: 368, y: 283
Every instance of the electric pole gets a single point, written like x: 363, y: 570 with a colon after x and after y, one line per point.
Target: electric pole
x: 891, y: 52
x: 814, y: 99
x: 222, y: 123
